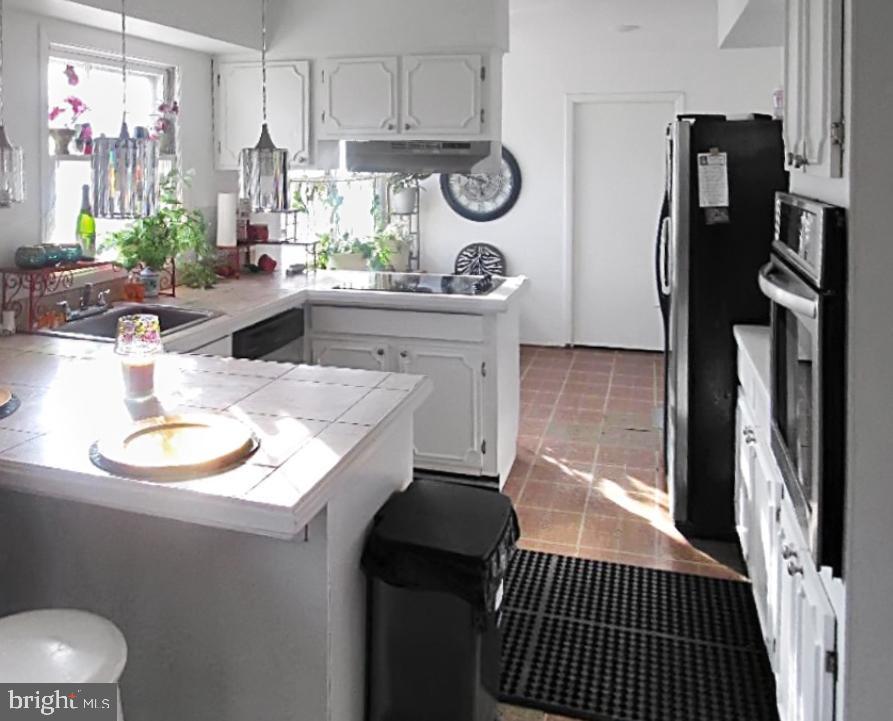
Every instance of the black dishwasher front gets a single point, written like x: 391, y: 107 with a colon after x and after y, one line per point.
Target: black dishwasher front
x: 269, y: 336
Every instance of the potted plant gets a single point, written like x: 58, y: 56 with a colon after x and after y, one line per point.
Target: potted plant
x: 345, y: 253
x: 405, y: 191
x: 166, y: 127
x: 151, y: 242
x: 390, y: 249
x: 69, y: 110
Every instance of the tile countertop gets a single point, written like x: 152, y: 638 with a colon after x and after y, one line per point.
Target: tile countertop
x: 311, y: 421
x: 253, y: 298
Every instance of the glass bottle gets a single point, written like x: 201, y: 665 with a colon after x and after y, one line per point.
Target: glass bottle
x: 86, y: 225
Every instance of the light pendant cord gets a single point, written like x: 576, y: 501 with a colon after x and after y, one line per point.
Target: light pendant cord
x: 263, y: 54
x: 1, y: 62
x: 123, y: 63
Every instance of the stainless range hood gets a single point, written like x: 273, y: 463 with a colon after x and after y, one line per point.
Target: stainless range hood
x: 419, y: 156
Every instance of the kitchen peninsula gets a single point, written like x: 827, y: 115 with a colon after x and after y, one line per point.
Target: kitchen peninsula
x: 230, y: 579
x: 240, y: 594
x: 464, y: 339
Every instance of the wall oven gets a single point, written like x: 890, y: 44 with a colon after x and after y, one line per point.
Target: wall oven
x: 805, y: 282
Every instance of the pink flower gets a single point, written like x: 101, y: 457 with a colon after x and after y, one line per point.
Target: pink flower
x: 71, y: 75
x: 56, y: 112
x: 78, y: 106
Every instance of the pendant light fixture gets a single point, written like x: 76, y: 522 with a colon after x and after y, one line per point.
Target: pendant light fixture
x: 12, y: 167
x: 263, y: 169
x: 125, y: 169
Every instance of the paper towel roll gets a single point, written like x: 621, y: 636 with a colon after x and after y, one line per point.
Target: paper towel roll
x: 227, y: 209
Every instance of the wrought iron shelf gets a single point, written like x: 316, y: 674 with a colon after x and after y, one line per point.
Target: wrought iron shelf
x: 19, y: 287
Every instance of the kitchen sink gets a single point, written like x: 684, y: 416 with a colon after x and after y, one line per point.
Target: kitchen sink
x: 104, y: 326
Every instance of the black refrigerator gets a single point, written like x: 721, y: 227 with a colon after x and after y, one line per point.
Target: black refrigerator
x: 715, y: 231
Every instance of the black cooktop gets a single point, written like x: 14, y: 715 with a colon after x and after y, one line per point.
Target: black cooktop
x: 425, y: 283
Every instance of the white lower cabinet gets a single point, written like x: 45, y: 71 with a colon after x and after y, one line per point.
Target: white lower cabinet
x: 796, y: 615
x: 449, y: 425
x: 469, y: 423
x: 351, y: 352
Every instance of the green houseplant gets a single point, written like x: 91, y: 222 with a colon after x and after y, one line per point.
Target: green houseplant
x: 172, y: 232
x: 405, y: 191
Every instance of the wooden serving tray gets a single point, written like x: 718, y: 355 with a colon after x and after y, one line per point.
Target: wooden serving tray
x: 173, y: 448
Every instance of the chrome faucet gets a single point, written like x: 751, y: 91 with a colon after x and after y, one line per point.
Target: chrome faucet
x: 85, y: 310
x: 86, y: 296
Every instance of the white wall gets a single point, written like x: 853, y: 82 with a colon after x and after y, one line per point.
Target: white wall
x: 26, y: 112
x: 573, y: 46
x: 869, y: 531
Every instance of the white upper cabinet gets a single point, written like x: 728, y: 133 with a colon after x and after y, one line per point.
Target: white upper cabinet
x: 359, y: 96
x: 441, y: 94
x: 238, y: 109
x: 421, y: 96
x: 813, y: 123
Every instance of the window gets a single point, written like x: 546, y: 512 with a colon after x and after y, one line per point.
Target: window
x: 84, y: 88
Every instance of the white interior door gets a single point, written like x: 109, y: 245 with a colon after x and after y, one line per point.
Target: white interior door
x: 618, y: 156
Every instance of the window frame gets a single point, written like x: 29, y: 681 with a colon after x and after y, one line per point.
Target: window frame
x: 49, y: 51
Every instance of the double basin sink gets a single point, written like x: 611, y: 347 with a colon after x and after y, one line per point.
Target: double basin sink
x: 104, y: 326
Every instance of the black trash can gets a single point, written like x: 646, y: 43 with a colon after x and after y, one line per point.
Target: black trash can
x: 436, y: 559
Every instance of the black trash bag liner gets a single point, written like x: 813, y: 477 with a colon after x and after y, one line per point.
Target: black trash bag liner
x: 440, y: 536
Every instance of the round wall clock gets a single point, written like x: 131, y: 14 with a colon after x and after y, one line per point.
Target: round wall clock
x: 484, y: 196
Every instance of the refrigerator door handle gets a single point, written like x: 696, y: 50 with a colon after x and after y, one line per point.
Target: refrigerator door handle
x: 664, y: 256
x: 779, y: 290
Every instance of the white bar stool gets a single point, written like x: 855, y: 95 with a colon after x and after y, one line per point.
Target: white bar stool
x: 61, y: 646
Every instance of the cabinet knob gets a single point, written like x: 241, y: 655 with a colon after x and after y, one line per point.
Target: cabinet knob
x: 795, y: 569
x: 787, y: 551
x: 390, y: 126
x: 404, y: 354
x: 799, y: 161
x: 302, y: 159
x: 379, y: 351
x: 407, y: 126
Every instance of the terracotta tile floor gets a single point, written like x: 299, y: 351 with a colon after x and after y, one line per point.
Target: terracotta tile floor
x: 587, y: 481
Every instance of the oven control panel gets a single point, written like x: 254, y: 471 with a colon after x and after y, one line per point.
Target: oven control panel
x: 811, y: 235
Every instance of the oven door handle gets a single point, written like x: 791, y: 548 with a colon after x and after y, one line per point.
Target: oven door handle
x: 777, y: 289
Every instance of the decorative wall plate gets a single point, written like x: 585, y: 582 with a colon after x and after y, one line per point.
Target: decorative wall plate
x: 175, y: 448
x: 483, y: 196
x: 480, y: 259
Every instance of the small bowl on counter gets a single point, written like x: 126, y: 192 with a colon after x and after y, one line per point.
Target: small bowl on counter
x: 31, y: 257
x: 47, y: 255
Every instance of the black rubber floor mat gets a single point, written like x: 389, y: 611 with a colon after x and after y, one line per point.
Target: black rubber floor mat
x: 610, y: 642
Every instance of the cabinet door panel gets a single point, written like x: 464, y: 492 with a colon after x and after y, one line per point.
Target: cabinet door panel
x: 350, y: 353
x: 238, y: 109
x: 795, y: 25
x: 360, y: 96
x: 822, y: 86
x: 448, y: 426
x: 441, y: 94
x: 814, y: 86
x: 288, y: 99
